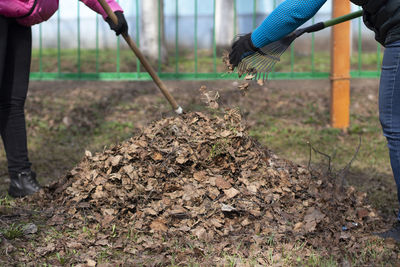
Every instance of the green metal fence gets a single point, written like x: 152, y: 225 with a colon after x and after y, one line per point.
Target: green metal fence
x: 50, y: 64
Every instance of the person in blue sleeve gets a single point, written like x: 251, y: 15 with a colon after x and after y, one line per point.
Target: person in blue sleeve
x: 382, y: 17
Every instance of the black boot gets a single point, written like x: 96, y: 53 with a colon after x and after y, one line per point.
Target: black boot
x: 393, y: 233
x: 23, y: 184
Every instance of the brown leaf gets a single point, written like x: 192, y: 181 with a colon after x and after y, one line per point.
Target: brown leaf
x: 297, y: 227
x: 88, y: 154
x: 158, y: 226
x: 56, y: 220
x: 150, y: 211
x: 226, y: 133
x: 200, y: 232
x: 45, y: 250
x: 102, y: 242
x: 231, y: 193
x: 116, y: 160
x: 245, y: 222
x: 250, y: 77
x: 244, y: 88
x: 253, y: 187
x: 74, y: 245
x: 90, y: 263
x: 99, y: 193
x: 181, y: 159
x: 222, y: 183
x: 200, y: 176
x: 312, y: 218
x: 107, y: 219
x: 157, y: 156
x: 362, y: 213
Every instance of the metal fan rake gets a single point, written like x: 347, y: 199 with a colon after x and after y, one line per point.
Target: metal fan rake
x: 259, y: 64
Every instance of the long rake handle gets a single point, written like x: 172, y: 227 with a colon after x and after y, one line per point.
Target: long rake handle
x: 344, y: 18
x: 143, y: 60
x: 322, y: 25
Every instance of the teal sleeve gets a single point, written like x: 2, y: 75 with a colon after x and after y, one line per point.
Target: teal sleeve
x: 287, y: 17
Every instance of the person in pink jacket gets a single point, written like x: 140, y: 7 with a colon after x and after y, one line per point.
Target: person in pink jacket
x: 16, y: 19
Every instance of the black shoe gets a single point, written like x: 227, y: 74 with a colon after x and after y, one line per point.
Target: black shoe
x: 23, y: 184
x: 393, y: 233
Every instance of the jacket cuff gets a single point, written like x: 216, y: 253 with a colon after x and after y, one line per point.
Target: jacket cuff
x: 95, y: 5
x: 114, y: 7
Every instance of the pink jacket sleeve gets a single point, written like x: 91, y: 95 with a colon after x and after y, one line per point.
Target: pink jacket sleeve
x: 94, y: 5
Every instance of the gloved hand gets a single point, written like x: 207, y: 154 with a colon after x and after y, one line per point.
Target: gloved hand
x: 241, y: 48
x: 121, y: 27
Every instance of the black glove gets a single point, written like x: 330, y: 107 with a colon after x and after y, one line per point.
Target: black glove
x: 121, y: 27
x: 241, y: 48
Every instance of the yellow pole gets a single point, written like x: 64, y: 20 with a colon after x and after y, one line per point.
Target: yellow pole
x: 340, y: 69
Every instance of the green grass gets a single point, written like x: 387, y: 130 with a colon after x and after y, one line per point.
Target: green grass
x: 107, y: 61
x: 6, y: 201
x: 13, y: 231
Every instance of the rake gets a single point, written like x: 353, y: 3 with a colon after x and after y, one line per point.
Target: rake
x: 261, y: 63
x: 163, y: 88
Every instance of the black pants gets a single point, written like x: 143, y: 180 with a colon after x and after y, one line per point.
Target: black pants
x: 15, y: 60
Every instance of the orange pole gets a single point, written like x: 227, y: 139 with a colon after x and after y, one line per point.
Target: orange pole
x: 340, y: 69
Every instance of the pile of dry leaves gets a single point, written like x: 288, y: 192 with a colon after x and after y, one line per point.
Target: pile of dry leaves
x: 202, y: 178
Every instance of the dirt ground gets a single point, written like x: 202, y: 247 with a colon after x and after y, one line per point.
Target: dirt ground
x: 66, y: 118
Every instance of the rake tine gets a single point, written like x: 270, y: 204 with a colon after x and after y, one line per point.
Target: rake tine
x: 261, y: 66
x: 264, y: 65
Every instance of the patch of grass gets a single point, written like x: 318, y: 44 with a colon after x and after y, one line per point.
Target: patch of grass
x: 186, y: 61
x: 103, y: 256
x: 13, y: 231
x: 112, y: 130
x: 62, y: 260
x: 6, y: 201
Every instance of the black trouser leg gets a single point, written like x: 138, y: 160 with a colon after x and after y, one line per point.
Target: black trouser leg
x: 15, y: 60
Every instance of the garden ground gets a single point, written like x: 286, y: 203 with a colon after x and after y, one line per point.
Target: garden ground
x: 64, y: 119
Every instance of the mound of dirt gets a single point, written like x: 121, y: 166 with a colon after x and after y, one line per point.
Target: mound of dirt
x: 200, y: 178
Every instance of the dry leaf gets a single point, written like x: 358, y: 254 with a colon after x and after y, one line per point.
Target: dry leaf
x: 158, y: 226
x: 90, y: 263
x: 221, y: 183
x: 157, y: 156
x: 312, y: 218
x: 88, y: 153
x: 244, y: 88
x: 362, y: 213
x: 116, y: 160
x: 181, y: 159
x: 226, y: 133
x: 231, y: 193
x: 200, y: 232
x: 45, y: 250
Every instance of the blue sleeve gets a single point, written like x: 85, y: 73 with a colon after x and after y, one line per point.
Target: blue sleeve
x: 287, y: 17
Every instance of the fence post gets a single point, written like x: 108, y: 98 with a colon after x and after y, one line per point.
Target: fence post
x: 340, y: 69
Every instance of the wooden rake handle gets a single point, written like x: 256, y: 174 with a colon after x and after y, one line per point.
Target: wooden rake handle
x: 142, y: 59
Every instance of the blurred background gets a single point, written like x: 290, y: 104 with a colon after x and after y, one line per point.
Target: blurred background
x: 183, y: 39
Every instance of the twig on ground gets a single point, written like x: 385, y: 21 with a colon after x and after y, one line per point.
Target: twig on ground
x: 309, y: 158
x: 323, y: 154
x: 343, y: 173
x: 339, y: 176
